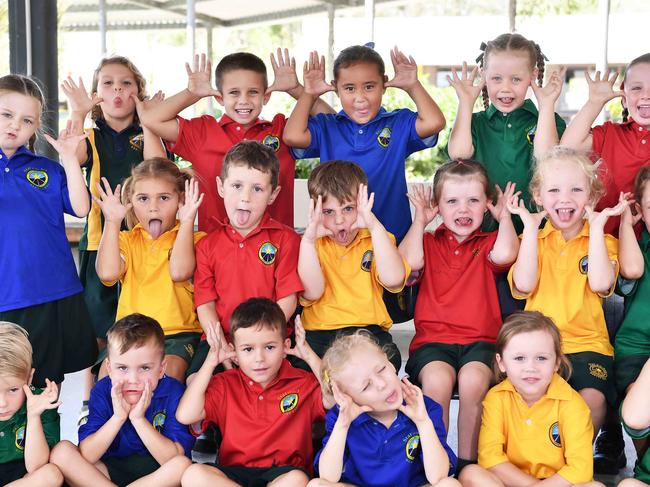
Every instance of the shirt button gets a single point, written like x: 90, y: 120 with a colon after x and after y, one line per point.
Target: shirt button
x: 238, y: 128
x: 456, y: 252
x: 250, y: 383
x: 360, y: 131
x: 6, y: 169
x: 529, y: 422
x: 509, y: 125
x: 643, y: 141
x: 261, y: 398
x: 640, y: 129
x: 385, y: 441
x: 241, y: 245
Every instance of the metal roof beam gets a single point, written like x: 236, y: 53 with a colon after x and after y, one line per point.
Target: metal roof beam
x: 208, y: 19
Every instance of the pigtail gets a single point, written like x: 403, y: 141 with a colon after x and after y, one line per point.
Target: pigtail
x: 625, y: 113
x: 541, y: 58
x: 480, y: 60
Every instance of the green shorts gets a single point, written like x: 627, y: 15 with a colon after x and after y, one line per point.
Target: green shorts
x: 125, y: 470
x: 254, y: 476
x: 627, y: 370
x: 595, y: 371
x: 101, y: 300
x: 453, y: 354
x: 11, y: 471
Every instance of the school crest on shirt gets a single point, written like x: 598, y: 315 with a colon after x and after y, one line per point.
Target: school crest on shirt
x: 20, y: 438
x: 137, y: 142
x: 530, y: 134
x: 384, y: 137
x: 583, y: 265
x: 159, y: 421
x: 267, y: 253
x: 289, y: 402
x: 37, y: 177
x: 554, y: 434
x: 598, y: 371
x: 366, y: 260
x: 411, y: 448
x: 272, y: 141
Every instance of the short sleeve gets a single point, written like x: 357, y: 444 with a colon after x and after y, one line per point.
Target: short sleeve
x: 612, y: 252
x: 204, y: 279
x: 51, y: 422
x: 214, y: 400
x: 415, y: 142
x: 492, y: 437
x: 287, y: 280
x: 65, y: 193
x: 407, y: 270
x: 435, y: 413
x: 193, y: 135
x: 100, y: 409
x: 330, y: 420
x: 172, y: 429
x: 315, y: 125
x: 124, y: 242
x: 636, y: 434
x: 598, y: 139
x: 576, y: 431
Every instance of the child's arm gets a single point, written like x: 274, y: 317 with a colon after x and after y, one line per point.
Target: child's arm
x: 79, y: 106
x: 37, y: 451
x: 411, y: 247
x: 161, y: 117
x: 288, y: 305
x: 546, y: 133
x: 578, y: 133
x: 390, y: 266
x: 191, y: 407
x: 601, y: 272
x: 636, y: 406
x: 296, y: 131
x: 66, y: 146
x: 109, y: 264
x: 153, y: 146
x: 430, y: 119
x: 630, y: 257
x: 460, y: 140
x: 182, y: 260
x: 506, y: 246
x: 309, y: 268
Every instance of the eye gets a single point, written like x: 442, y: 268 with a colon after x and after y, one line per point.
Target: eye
x: 258, y: 189
x: 234, y: 93
x: 349, y: 89
x: 270, y: 347
x: 496, y: 78
x: 127, y: 82
x: 146, y: 368
x: 451, y: 201
x: 247, y: 349
x: 473, y: 200
x: 142, y: 199
x: 236, y: 185
x: 348, y: 209
x: 14, y: 390
x: 369, y: 87
x: 542, y: 359
x: 6, y: 114
x: 328, y: 212
x: 28, y: 121
x: 516, y: 79
x: 554, y: 190
x: 165, y: 197
x: 108, y: 82
x: 254, y: 92
x: 577, y: 190
x: 365, y: 387
x: 518, y: 358
x: 382, y: 369
x: 121, y: 368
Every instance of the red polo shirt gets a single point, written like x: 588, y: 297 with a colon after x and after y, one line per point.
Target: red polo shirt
x: 265, y: 427
x: 204, y: 142
x: 457, y: 302
x: 231, y: 268
x: 623, y: 148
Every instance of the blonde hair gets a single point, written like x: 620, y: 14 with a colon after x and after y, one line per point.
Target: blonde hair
x: 565, y: 154
x: 141, y: 83
x: 341, y: 350
x: 27, y: 86
x: 15, y: 351
x: 640, y: 181
x: 154, y: 168
x: 526, y: 322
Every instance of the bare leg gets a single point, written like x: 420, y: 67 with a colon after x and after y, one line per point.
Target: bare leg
x: 438, y: 379
x: 597, y: 405
x: 631, y: 483
x: 473, y: 383
x: 176, y: 367
x: 294, y: 478
x: 325, y: 483
x: 199, y: 475
x: 46, y: 476
x: 168, y: 475
x: 475, y: 476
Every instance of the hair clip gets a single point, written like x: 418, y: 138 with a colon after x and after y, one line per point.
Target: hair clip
x: 326, y: 376
x: 480, y: 57
x: 369, y: 45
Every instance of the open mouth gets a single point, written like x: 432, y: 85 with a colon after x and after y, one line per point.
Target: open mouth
x: 242, y: 217
x: 644, y: 110
x: 531, y: 380
x: 565, y: 214
x: 244, y: 111
x: 464, y: 222
x: 392, y: 397
x: 155, y: 228
x: 506, y: 100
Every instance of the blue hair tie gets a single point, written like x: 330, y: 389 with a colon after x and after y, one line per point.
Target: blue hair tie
x: 370, y: 45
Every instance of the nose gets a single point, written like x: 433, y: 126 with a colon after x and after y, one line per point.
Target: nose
x: 132, y: 377
x: 338, y: 218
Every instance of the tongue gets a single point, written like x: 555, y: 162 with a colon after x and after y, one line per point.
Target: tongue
x: 464, y: 221
x: 242, y: 217
x: 564, y: 216
x: 155, y: 228
x: 644, y: 112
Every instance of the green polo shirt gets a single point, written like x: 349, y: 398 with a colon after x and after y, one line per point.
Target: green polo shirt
x: 642, y: 468
x: 12, y: 432
x: 503, y: 143
x: 633, y: 337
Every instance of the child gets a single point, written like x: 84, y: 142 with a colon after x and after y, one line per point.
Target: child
x: 154, y: 260
x: 242, y: 89
x: 535, y: 426
x: 457, y: 315
x: 506, y: 144
x: 29, y: 420
x: 379, y: 141
x: 382, y: 431
x: 566, y: 269
x: 347, y: 258
x: 44, y: 295
x: 132, y: 432
x: 623, y: 148
x: 249, y: 254
x: 265, y: 408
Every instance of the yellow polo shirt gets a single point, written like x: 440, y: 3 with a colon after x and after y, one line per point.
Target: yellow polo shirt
x: 563, y: 291
x: 147, y: 287
x: 553, y: 436
x: 353, y: 294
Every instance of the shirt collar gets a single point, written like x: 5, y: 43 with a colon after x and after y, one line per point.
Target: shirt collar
x: 443, y: 231
x: 286, y: 372
x: 550, y: 229
x: 557, y: 389
x: 634, y: 126
x: 103, y: 125
x: 21, y: 150
x: 266, y: 223
x: 645, y: 239
x: 140, y: 229
x: 226, y: 120
x: 382, y: 113
x: 528, y: 106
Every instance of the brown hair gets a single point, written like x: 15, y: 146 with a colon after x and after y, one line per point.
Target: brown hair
x: 24, y: 85
x: 642, y: 59
x: 460, y: 168
x: 357, y: 55
x: 154, y: 168
x: 15, y: 351
x: 96, y: 112
x: 640, y: 181
x: 566, y: 154
x: 134, y: 331
x: 509, y: 43
x: 526, y: 322
x: 239, y: 60
x: 340, y: 179
x: 258, y: 312
x: 253, y: 155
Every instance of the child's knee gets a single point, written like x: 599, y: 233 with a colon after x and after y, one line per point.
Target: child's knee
x: 472, y: 475
x: 199, y: 474
x: 176, y: 367
x: 296, y: 478
x: 474, y: 380
x: 49, y: 474
x: 319, y: 483
x: 448, y: 482
x: 63, y: 453
x: 179, y: 464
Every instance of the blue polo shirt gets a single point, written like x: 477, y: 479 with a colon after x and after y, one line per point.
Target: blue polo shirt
x: 376, y: 456
x: 161, y: 413
x: 380, y: 147
x: 35, y: 258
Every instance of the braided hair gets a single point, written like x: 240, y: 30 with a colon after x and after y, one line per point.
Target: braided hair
x: 643, y: 59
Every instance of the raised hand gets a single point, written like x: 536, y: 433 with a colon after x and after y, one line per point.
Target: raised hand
x: 406, y: 70
x: 140, y: 408
x: 110, y: 203
x: 629, y: 218
x: 597, y: 219
x: 602, y: 90
x: 414, y: 408
x: 466, y: 89
x: 284, y: 72
x: 68, y: 141
x: 499, y: 210
x: 313, y: 74
x: 78, y: 99
x: 199, y: 77
x: 315, y: 228
x: 365, y: 216
x: 37, y: 404
x: 348, y: 409
x: 142, y: 106
x: 193, y: 199
x: 550, y: 92
x: 516, y: 206
x: 301, y: 348
x: 121, y: 408
x: 219, y: 351
x: 421, y: 198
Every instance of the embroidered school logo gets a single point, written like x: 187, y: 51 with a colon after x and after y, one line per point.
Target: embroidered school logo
x: 384, y: 137
x: 20, y: 438
x: 272, y: 141
x: 583, y: 265
x: 412, y: 446
x: 37, y: 177
x: 476, y: 251
x: 189, y: 349
x: 159, y: 421
x: 137, y: 142
x: 366, y: 260
x: 289, y: 402
x: 530, y: 134
x: 554, y: 434
x: 267, y: 253
x: 598, y: 371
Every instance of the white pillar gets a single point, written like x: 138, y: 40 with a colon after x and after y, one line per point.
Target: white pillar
x: 191, y: 28
x: 331, y: 11
x: 370, y: 20
x: 601, y: 62
x: 102, y: 27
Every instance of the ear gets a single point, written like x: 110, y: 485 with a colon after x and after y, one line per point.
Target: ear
x: 163, y: 367
x: 219, y: 98
x: 108, y: 366
x: 287, y: 346
x: 536, y: 73
x: 219, y: 186
x: 267, y: 96
x: 558, y: 362
x: 499, y: 360
x: 274, y: 195
x: 336, y: 88
x: 623, y: 101
x: 384, y: 81
x: 537, y: 198
x: 31, y: 377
